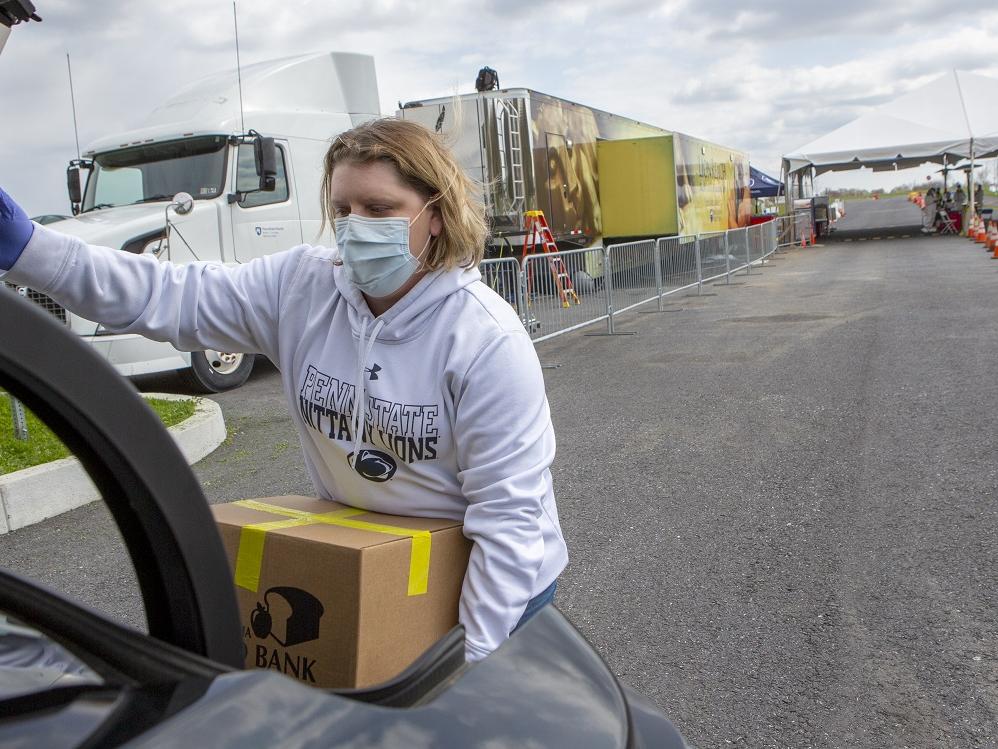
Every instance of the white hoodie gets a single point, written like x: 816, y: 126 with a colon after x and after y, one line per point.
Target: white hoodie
x: 456, y: 424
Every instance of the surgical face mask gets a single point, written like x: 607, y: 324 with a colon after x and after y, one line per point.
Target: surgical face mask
x: 375, y: 252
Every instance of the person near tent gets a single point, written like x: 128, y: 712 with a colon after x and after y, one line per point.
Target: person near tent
x: 959, y: 198
x: 394, y: 318
x: 978, y: 197
x: 929, y: 211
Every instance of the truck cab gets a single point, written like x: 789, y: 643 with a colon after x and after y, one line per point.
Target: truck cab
x: 224, y: 171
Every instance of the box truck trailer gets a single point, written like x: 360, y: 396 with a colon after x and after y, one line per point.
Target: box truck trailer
x: 597, y: 176
x: 247, y: 177
x: 529, y: 151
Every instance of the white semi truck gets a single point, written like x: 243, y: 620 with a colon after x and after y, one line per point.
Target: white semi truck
x: 215, y: 174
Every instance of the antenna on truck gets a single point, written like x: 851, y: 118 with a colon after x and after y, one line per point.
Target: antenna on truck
x: 239, y: 73
x: 72, y: 99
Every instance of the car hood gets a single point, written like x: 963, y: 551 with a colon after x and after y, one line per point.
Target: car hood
x: 113, y: 227
x: 544, y: 687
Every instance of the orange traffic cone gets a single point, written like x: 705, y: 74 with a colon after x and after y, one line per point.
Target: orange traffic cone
x: 993, y: 239
x: 972, y: 229
x: 982, y: 232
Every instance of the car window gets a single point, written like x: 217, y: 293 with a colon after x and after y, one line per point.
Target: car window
x: 78, y: 554
x: 30, y: 662
x: 247, y: 179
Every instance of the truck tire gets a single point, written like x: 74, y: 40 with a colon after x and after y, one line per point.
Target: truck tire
x: 215, y: 371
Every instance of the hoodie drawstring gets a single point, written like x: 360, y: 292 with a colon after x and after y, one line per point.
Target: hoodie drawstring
x: 359, y: 401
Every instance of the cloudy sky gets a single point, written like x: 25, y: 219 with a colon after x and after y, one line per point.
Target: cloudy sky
x: 766, y: 78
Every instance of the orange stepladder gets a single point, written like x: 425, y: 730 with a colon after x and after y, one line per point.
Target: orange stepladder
x: 538, y: 232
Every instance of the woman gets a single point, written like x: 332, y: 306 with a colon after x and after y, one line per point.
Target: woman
x: 414, y: 388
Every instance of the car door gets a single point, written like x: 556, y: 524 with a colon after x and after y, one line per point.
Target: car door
x: 180, y: 684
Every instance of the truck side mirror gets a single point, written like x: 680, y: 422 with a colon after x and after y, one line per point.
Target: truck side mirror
x: 265, y: 155
x: 73, y: 183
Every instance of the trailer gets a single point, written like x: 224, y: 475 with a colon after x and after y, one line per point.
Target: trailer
x: 597, y: 176
x: 529, y: 151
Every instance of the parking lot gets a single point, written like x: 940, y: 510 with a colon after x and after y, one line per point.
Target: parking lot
x: 779, y: 498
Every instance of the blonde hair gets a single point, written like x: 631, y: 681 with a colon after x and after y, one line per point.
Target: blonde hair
x: 425, y: 164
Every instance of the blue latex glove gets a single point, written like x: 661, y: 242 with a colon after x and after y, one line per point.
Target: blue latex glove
x: 15, y: 231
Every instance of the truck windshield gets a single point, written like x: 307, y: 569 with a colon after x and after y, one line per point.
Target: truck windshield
x: 157, y: 171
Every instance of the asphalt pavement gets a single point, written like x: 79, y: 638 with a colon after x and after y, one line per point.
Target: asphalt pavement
x: 779, y: 499
x: 886, y: 218
x: 890, y: 217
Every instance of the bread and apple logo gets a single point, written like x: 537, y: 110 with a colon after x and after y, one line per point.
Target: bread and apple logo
x: 288, y: 616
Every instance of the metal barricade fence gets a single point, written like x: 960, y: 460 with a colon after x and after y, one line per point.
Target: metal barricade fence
x: 606, y: 282
x: 502, y: 275
x: 545, y: 312
x: 758, y: 234
x: 735, y: 249
x: 784, y: 231
x: 756, y: 242
x: 714, y: 260
x: 635, y: 275
x: 677, y: 258
x: 756, y: 251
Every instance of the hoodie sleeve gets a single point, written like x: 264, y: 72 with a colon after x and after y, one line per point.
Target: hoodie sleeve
x: 505, y: 447
x: 194, y: 306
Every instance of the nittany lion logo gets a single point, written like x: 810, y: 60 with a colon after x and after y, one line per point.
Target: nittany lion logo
x: 374, y: 465
x: 259, y: 231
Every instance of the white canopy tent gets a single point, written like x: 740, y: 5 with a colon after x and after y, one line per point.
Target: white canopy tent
x: 953, y: 117
x: 950, y: 118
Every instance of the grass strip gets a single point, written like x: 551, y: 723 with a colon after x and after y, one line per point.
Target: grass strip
x: 43, y: 446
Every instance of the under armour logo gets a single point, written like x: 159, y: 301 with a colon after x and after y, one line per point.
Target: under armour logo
x: 372, y: 371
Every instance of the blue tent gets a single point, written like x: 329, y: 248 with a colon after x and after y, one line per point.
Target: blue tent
x: 762, y: 185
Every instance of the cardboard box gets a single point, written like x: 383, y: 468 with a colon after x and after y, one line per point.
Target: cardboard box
x: 336, y: 596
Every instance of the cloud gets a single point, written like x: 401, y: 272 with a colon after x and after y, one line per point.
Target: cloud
x: 781, y: 20
x: 765, y: 78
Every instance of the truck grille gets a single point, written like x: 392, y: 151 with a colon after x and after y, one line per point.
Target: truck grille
x: 46, y: 303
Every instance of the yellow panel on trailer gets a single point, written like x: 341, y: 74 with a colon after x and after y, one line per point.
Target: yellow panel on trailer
x: 637, y: 187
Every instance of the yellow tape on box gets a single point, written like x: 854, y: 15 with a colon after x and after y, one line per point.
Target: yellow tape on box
x: 249, y: 557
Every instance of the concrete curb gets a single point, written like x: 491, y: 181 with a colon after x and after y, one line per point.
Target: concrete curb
x: 34, y: 494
